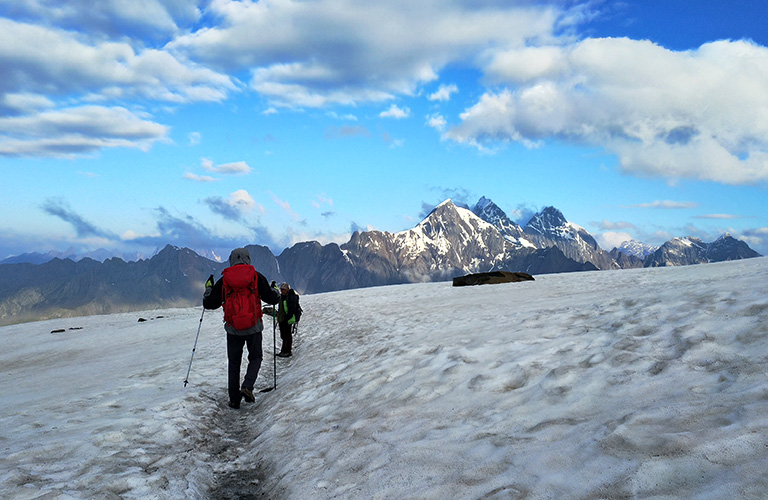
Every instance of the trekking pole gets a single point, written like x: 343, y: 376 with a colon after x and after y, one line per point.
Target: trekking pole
x: 194, y: 347
x: 274, y: 352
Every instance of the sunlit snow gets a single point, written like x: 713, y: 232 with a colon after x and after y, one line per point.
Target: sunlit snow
x: 645, y: 383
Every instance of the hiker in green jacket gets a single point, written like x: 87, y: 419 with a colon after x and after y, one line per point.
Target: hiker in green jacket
x: 288, y: 314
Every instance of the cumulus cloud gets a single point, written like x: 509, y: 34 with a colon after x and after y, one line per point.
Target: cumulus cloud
x: 244, y: 201
x: 396, y: 112
x: 114, y: 69
x: 23, y: 102
x: 235, y: 168
x: 443, y: 93
x: 700, y: 114
x: 295, y: 63
x: 44, y: 65
x: 148, y: 18
x: 71, y: 131
x: 235, y: 207
x: 612, y: 239
x: 437, y: 122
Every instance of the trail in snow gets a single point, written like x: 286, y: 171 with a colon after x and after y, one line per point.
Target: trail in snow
x: 648, y: 383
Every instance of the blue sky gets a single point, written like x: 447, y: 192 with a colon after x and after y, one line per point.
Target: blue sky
x: 212, y: 124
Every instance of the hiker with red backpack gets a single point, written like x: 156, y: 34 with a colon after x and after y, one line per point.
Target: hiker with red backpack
x: 240, y: 290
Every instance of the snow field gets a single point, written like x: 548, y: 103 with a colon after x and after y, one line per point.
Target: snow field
x: 647, y: 383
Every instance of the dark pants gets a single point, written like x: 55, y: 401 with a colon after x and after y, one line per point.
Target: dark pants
x: 235, y: 345
x: 286, y: 336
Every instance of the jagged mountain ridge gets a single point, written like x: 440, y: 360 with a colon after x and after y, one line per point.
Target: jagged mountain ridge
x: 510, y: 230
x: 450, y: 241
x: 690, y: 250
x: 550, y: 228
x: 62, y: 287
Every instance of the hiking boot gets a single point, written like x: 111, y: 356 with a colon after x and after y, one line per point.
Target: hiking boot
x: 234, y: 404
x: 248, y: 395
x: 283, y: 354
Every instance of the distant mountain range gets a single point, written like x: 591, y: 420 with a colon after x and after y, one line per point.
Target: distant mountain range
x: 449, y: 242
x: 99, y: 255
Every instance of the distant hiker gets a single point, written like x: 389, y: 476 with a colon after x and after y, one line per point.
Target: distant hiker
x: 240, y: 290
x: 288, y: 314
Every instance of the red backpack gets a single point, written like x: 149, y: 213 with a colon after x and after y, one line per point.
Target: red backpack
x: 242, y: 305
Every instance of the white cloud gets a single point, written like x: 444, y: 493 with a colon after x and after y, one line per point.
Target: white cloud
x: 267, y: 81
x: 199, y: 178
x: 668, y: 205
x: 611, y: 225
x: 348, y: 117
x: 234, y: 207
x: 527, y: 64
x: 610, y: 239
x: 235, y: 168
x: 396, y: 112
x: 699, y: 114
x: 133, y: 235
x: 41, y: 65
x: 757, y: 238
x: 717, y: 216
x: 80, y: 130
x: 40, y: 59
x: 114, y: 19
x: 24, y: 103
x: 366, y: 60
x: 437, y: 122
x: 444, y: 93
x: 244, y: 201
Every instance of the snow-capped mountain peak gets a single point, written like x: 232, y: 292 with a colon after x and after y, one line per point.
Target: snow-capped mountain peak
x: 636, y: 248
x: 723, y: 237
x: 491, y: 213
x: 549, y: 220
x: 550, y: 228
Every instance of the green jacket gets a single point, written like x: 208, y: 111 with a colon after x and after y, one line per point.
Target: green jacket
x: 288, y: 309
